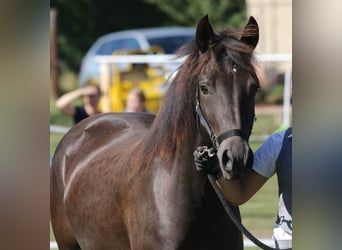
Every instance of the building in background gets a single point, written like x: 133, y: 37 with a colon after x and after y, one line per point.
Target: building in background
x: 275, y: 31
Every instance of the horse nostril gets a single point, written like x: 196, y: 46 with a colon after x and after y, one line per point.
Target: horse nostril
x: 249, y: 158
x: 226, y: 162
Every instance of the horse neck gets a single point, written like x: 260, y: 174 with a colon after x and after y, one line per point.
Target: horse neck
x: 175, y: 123
x: 184, y: 166
x: 177, y: 184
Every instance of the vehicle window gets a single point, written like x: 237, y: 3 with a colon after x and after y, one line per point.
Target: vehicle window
x: 129, y: 44
x: 170, y: 44
x: 109, y: 47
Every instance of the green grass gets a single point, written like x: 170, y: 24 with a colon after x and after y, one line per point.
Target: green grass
x: 54, y: 140
x: 52, y: 237
x: 265, y: 124
x: 57, y: 118
x: 259, y: 213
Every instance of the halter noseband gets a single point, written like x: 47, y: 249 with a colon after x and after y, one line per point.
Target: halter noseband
x: 216, y: 140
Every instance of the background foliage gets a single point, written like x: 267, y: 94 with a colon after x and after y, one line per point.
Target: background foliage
x: 222, y: 13
x: 81, y: 22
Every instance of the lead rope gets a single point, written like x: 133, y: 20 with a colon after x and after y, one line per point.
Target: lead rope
x: 208, y: 153
x: 228, y: 207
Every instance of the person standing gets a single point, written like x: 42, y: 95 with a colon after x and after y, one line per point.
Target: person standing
x: 274, y: 156
x: 91, y: 95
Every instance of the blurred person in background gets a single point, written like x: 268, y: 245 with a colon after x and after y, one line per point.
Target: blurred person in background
x: 136, y: 101
x: 273, y: 156
x: 90, y: 94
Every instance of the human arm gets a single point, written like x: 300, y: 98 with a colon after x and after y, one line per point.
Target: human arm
x: 65, y: 102
x: 239, y: 191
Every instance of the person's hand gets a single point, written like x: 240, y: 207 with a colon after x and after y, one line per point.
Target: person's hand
x: 206, y: 161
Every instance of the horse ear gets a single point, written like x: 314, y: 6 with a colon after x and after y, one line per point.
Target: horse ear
x: 204, y: 34
x: 250, y: 34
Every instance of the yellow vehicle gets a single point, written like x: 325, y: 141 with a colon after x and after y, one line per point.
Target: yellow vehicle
x: 152, y: 80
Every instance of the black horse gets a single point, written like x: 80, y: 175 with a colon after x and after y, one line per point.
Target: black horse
x: 128, y: 181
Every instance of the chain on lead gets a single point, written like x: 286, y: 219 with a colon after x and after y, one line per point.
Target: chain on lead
x: 206, y: 152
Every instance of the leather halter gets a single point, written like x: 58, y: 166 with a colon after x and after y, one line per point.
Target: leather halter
x: 202, y: 120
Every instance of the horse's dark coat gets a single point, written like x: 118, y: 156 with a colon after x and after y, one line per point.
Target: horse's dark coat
x: 128, y: 181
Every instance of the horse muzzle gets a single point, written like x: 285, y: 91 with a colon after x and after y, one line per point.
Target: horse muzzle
x: 235, y: 157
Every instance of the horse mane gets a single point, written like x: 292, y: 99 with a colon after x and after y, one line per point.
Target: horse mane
x: 176, y: 118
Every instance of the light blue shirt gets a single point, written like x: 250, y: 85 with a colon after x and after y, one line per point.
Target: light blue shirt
x: 270, y: 159
x: 265, y: 157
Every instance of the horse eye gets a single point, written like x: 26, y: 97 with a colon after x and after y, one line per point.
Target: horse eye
x: 204, y: 89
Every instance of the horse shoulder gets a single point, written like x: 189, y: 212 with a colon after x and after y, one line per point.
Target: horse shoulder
x: 97, y: 136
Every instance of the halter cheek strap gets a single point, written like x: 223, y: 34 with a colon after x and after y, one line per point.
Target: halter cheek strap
x: 202, y: 120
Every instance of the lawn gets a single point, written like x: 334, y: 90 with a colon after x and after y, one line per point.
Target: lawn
x: 258, y: 214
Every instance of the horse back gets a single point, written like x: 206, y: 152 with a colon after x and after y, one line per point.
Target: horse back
x: 96, y: 135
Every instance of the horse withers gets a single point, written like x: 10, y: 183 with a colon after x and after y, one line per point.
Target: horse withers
x: 128, y: 181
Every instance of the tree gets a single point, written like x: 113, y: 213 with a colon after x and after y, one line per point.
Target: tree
x: 81, y: 22
x: 222, y: 13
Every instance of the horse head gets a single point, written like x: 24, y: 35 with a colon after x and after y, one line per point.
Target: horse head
x: 225, y: 93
